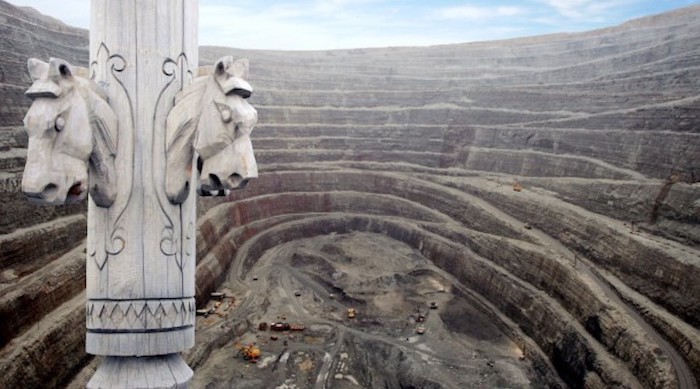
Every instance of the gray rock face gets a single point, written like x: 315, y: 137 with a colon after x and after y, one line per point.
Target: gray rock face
x: 591, y: 267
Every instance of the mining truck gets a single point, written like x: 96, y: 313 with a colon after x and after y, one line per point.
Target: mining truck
x: 250, y: 353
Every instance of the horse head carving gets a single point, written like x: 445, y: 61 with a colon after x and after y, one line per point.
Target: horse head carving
x: 72, y: 137
x: 213, y: 118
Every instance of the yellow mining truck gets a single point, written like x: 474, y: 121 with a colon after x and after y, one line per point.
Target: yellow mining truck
x: 250, y: 353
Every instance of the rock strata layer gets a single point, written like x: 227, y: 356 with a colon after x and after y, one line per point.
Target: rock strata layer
x: 554, y: 177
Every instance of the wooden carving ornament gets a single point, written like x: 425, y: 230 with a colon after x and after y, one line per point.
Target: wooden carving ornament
x: 212, y: 118
x: 72, y: 137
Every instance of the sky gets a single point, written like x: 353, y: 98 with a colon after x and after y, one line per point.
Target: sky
x: 343, y: 24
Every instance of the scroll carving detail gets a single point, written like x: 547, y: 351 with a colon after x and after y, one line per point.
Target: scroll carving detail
x: 109, y: 240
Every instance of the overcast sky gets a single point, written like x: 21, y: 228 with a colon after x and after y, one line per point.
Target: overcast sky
x: 334, y: 24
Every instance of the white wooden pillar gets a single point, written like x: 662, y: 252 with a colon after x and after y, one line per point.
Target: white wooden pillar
x: 141, y: 250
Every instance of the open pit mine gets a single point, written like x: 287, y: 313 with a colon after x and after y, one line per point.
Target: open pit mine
x: 518, y: 213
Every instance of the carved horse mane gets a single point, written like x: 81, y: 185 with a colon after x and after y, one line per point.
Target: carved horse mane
x: 72, y: 137
x: 211, y: 117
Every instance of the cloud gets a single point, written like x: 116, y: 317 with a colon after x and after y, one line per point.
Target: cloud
x: 591, y: 10
x: 304, y: 27
x: 345, y: 3
x: 226, y: 25
x: 469, y: 12
x: 332, y: 24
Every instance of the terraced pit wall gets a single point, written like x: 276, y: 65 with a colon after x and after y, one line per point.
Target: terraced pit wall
x: 423, y: 145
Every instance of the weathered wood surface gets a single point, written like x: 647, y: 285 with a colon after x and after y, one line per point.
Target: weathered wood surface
x: 213, y: 118
x: 72, y: 135
x: 141, y: 250
x: 140, y: 265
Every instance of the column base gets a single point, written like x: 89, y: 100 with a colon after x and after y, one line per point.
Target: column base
x: 163, y: 371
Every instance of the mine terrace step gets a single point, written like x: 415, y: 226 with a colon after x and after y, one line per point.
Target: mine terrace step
x: 386, y: 131
x: 321, y: 156
x: 49, y: 352
x: 12, y: 160
x: 12, y: 138
x: 26, y: 301
x: 25, y: 250
x: 361, y: 99
x: 445, y: 114
x: 347, y: 143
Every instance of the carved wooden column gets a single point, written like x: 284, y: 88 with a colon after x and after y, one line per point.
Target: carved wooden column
x: 127, y: 131
x: 141, y: 249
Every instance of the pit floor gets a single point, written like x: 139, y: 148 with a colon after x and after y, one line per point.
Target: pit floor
x: 313, y: 282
